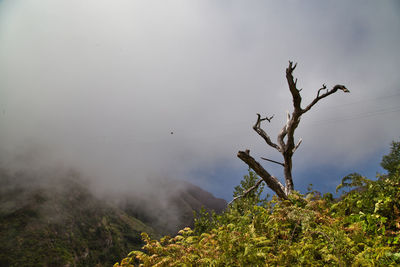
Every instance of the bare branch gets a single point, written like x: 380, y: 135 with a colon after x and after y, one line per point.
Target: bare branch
x: 270, y: 180
x: 327, y: 93
x: 287, y: 118
x: 262, y: 133
x: 282, y: 134
x: 292, y: 85
x: 281, y: 137
x: 248, y: 191
x: 277, y: 162
x: 259, y: 120
x: 291, y: 65
x: 322, y: 88
x: 297, y: 145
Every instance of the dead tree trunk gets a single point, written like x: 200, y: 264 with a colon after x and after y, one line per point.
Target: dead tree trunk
x: 285, y: 141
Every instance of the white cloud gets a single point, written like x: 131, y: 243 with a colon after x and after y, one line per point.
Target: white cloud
x: 102, y: 84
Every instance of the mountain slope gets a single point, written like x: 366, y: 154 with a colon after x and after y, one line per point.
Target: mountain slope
x: 61, y: 224
x: 170, y: 206
x: 51, y: 218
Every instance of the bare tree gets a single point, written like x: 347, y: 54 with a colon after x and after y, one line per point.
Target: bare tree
x: 285, y: 142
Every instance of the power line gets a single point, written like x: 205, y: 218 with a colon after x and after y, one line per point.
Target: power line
x: 358, y: 116
x: 364, y: 100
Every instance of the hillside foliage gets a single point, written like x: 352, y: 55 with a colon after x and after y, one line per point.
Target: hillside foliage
x: 361, y: 228
x: 61, y: 224
x: 54, y: 217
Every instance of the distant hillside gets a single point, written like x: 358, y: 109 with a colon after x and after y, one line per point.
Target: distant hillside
x: 171, y: 204
x: 59, y: 222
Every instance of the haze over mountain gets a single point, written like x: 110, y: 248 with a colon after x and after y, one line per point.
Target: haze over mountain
x: 52, y: 218
x: 100, y: 85
x: 147, y: 100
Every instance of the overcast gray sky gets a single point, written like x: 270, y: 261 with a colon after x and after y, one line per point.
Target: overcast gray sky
x: 100, y: 85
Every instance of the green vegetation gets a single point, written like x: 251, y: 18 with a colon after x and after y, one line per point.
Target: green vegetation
x: 52, y: 218
x: 361, y: 228
x: 64, y: 225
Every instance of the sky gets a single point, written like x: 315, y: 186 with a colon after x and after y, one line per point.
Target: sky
x: 127, y: 91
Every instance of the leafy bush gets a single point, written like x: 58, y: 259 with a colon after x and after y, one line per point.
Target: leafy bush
x: 362, y: 228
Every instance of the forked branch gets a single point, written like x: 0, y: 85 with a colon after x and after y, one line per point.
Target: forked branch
x: 262, y: 133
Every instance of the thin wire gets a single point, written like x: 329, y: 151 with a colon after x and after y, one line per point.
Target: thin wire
x: 358, y: 116
x: 363, y: 100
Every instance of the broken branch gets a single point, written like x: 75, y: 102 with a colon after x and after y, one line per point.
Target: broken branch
x: 270, y: 180
x: 248, y: 191
x: 297, y: 145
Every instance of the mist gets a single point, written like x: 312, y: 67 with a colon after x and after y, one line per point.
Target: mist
x: 129, y: 91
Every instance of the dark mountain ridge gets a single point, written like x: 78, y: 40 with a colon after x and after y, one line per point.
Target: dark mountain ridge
x: 172, y: 204
x: 60, y: 222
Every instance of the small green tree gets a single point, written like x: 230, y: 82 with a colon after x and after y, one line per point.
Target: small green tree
x: 249, y: 191
x: 391, y: 162
x: 374, y: 203
x: 205, y: 220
